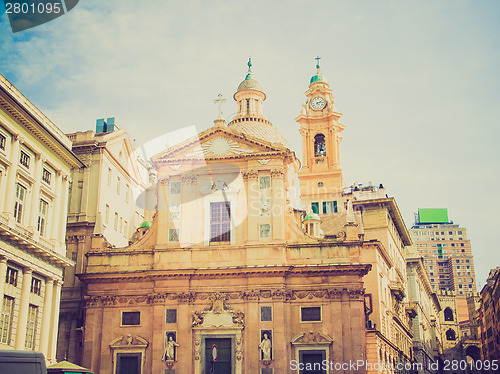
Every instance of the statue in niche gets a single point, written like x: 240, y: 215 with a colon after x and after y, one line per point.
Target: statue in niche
x: 170, y: 348
x: 265, y: 347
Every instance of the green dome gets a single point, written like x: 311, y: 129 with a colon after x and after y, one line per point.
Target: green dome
x: 145, y: 224
x: 311, y: 216
x: 318, y: 78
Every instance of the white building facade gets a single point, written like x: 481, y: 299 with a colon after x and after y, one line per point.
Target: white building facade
x: 35, y: 168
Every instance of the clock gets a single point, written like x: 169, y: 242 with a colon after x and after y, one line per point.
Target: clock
x: 318, y: 103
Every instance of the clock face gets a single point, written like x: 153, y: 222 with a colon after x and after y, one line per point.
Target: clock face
x: 318, y: 103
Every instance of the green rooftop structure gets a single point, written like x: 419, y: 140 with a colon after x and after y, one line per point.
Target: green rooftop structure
x: 433, y: 216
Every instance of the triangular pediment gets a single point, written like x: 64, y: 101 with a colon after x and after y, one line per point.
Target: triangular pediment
x: 120, y: 149
x: 217, y: 143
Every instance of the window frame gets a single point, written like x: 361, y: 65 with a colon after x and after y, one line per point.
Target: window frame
x: 310, y: 307
x: 122, y: 312
x: 24, y: 159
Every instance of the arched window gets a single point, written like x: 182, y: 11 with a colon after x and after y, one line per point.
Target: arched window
x: 450, y: 334
x: 319, y: 146
x: 448, y: 314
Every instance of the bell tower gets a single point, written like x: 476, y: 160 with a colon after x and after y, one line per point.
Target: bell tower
x: 321, y: 174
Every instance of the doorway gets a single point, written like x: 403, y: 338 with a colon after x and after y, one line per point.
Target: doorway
x: 222, y: 364
x: 312, y: 361
x: 128, y: 363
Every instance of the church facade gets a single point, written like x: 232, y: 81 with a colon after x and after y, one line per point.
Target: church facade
x: 231, y: 277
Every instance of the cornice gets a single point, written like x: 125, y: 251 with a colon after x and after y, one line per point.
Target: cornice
x: 228, y: 272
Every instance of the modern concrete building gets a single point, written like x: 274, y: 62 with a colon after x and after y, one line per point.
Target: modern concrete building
x: 102, y: 203
x: 447, y: 255
x: 35, y: 173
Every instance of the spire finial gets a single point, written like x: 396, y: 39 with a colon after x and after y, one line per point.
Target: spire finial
x: 249, y: 73
x: 317, y: 62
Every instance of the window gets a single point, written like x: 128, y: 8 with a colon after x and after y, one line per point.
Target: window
x: 319, y: 146
x: 2, y: 142
x: 131, y: 318
x: 121, y: 224
x: 329, y: 207
x: 173, y: 235
x: 19, y: 204
x: 125, y: 228
x: 265, y: 182
x: 310, y: 314
x: 175, y: 187
x: 24, y: 159
x: 31, y: 327
x: 118, y: 185
x: 116, y: 221
x: 109, y: 176
x: 6, y: 319
x: 107, y: 214
x: 220, y: 221
x: 127, y: 192
x: 46, y: 175
x: 36, y: 286
x: 448, y: 314
x: 265, y: 230
x: 42, y: 217
x: 315, y: 208
x: 266, y: 313
x: 11, y: 277
x: 171, y: 316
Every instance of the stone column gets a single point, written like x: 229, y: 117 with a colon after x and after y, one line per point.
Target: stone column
x: 3, y: 274
x: 35, y: 195
x: 62, y: 217
x: 56, y: 208
x: 22, y: 318
x: 11, y: 178
x: 54, y: 323
x: 46, y: 317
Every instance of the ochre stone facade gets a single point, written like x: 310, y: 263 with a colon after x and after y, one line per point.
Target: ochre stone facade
x: 233, y: 276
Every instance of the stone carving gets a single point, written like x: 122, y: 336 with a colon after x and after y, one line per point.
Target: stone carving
x: 239, y: 349
x: 250, y: 174
x: 264, y: 161
x: 312, y: 337
x: 265, y: 347
x: 218, y: 301
x: 197, y: 347
x: 170, y: 348
x: 197, y: 318
x: 238, y: 318
x: 175, y: 167
x: 129, y: 339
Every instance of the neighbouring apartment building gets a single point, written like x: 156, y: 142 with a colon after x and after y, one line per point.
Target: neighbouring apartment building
x: 490, y: 316
x: 426, y: 324
x: 102, y: 203
x: 35, y: 174
x: 447, y: 255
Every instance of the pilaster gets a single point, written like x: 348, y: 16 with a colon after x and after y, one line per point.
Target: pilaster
x: 23, y: 310
x: 11, y: 178
x: 46, y: 317
x: 35, y: 196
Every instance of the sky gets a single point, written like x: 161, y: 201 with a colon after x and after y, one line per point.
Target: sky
x: 418, y: 83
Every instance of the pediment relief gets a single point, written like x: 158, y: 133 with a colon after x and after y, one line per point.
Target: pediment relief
x: 311, y: 338
x: 129, y: 341
x: 218, y: 314
x: 216, y: 143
